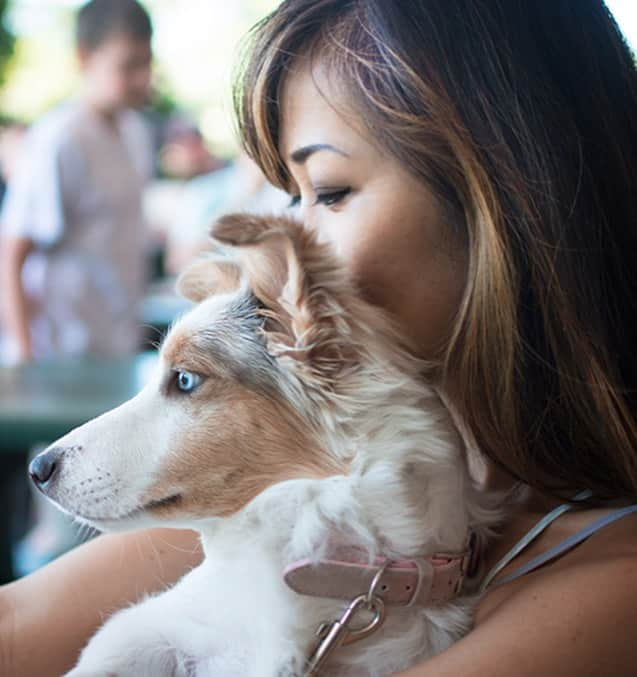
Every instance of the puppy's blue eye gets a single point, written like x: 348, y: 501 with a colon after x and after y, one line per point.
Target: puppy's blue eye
x: 187, y: 381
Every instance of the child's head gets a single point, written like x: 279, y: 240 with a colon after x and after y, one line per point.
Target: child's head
x: 113, y: 41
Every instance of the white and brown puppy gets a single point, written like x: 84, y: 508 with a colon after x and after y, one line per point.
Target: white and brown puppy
x: 286, y: 415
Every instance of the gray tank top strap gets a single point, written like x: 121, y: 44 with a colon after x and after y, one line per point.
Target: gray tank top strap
x: 568, y: 543
x: 529, y: 537
x: 555, y: 551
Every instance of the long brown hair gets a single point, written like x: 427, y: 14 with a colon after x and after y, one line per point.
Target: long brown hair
x: 521, y: 117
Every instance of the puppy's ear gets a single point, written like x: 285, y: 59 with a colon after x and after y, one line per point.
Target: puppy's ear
x: 302, y: 288
x: 268, y: 252
x: 207, y: 277
x: 248, y: 229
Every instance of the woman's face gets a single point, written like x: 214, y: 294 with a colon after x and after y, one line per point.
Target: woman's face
x: 381, y: 219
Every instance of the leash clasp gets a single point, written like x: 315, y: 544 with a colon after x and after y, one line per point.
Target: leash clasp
x: 341, y: 632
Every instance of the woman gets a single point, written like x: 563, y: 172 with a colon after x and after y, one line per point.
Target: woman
x: 474, y: 164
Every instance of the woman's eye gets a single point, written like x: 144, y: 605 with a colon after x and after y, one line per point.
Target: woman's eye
x: 295, y: 201
x: 187, y: 381
x: 331, y: 197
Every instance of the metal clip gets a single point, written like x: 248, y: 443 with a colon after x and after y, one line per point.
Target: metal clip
x: 339, y: 633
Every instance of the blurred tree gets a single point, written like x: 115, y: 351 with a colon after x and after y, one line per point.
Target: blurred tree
x: 7, y: 40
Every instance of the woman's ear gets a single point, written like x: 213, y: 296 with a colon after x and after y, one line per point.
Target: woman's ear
x: 207, y: 277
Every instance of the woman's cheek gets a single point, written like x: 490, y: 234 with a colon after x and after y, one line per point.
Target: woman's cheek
x: 346, y: 242
x: 327, y: 232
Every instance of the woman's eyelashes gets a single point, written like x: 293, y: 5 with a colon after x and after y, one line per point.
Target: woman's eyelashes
x: 327, y: 197
x: 331, y: 197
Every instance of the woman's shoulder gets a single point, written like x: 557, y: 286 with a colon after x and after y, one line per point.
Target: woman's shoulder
x: 610, y: 536
x: 574, y: 615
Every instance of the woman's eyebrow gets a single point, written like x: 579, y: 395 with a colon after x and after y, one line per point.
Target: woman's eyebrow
x: 300, y: 155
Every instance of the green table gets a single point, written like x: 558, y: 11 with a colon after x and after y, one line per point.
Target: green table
x: 41, y: 402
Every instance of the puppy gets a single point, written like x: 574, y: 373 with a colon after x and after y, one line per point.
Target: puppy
x: 290, y: 424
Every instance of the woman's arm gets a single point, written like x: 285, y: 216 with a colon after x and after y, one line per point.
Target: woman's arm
x: 47, y: 617
x: 574, y: 622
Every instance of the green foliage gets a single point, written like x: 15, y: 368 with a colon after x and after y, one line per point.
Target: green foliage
x: 163, y: 102
x: 7, y: 40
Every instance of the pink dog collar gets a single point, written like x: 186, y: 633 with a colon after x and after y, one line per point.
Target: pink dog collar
x: 427, y: 581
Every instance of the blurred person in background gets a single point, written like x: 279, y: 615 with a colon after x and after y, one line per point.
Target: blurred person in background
x: 71, y: 232
x: 184, y: 153
x: 240, y: 186
x: 72, y: 239
x: 11, y: 140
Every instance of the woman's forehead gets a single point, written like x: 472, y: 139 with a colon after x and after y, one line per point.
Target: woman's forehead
x: 314, y: 110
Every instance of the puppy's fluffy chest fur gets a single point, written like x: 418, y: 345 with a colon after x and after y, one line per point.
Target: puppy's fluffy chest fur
x: 234, y: 616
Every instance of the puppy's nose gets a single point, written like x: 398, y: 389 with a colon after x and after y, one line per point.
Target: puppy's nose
x: 44, y: 466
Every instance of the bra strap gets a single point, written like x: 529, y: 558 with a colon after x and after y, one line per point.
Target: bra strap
x: 569, y: 543
x: 529, y: 537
